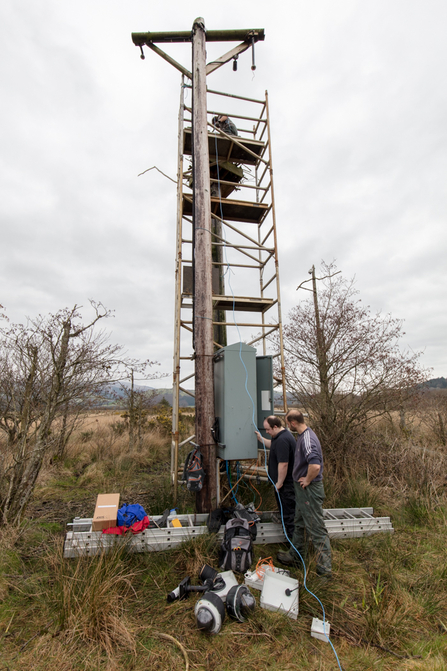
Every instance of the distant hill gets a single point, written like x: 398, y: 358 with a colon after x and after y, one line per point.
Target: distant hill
x: 113, y: 393
x: 437, y: 383
x: 185, y: 400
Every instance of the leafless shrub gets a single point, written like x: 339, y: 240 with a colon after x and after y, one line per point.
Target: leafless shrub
x: 403, y: 464
x: 432, y: 411
x: 46, y: 366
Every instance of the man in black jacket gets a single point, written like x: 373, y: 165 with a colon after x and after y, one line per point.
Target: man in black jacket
x: 280, y: 467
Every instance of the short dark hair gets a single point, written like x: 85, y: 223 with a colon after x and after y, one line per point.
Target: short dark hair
x: 272, y: 421
x: 295, y: 416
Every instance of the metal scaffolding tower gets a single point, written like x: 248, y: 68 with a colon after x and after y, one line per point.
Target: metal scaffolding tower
x: 245, y: 270
x: 227, y: 273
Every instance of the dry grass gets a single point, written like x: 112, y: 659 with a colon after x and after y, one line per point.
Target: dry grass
x: 90, y: 597
x: 387, y: 603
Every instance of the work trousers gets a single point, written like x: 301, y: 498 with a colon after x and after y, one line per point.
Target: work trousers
x: 309, y: 523
x: 287, y: 497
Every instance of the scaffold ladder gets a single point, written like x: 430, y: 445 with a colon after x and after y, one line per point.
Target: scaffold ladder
x: 246, y: 285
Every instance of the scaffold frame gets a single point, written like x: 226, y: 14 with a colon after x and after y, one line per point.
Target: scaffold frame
x: 244, y: 241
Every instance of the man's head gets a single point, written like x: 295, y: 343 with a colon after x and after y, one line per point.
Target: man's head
x: 272, y: 425
x: 295, y: 421
x: 219, y: 120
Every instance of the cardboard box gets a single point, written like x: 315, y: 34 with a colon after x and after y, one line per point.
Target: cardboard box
x: 106, y: 511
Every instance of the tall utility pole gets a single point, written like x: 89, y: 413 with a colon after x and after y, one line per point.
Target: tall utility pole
x: 321, y: 348
x: 203, y: 305
x: 203, y: 291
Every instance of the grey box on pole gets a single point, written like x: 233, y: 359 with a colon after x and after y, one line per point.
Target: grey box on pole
x: 234, y: 374
x: 264, y: 381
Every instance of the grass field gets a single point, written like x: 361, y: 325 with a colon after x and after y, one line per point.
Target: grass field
x: 387, y: 603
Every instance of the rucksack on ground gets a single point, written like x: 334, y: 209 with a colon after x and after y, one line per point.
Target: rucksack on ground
x: 193, y: 473
x: 236, y: 552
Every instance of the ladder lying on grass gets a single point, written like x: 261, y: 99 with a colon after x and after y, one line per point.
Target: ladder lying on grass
x: 80, y: 540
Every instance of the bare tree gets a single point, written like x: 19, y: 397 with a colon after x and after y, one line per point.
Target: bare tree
x: 71, y: 417
x: 343, y: 363
x: 46, y: 366
x: 137, y: 401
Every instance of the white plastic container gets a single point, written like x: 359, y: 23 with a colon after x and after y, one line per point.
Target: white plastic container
x: 320, y: 630
x: 274, y: 597
x: 252, y: 579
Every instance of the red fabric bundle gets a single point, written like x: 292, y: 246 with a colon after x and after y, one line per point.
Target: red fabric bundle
x: 136, y: 528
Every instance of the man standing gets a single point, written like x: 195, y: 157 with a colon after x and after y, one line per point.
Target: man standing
x: 281, y: 460
x: 309, y: 496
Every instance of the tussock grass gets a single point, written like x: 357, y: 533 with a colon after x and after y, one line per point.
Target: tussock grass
x: 90, y: 595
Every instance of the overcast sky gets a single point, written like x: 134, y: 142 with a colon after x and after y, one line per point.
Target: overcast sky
x: 358, y: 104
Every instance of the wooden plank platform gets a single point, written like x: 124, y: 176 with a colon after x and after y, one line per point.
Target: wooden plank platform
x: 233, y: 210
x: 242, y: 304
x: 227, y: 149
x: 238, y: 303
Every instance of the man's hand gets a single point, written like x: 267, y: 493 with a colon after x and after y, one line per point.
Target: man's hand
x: 312, y: 472
x: 304, y: 482
x: 264, y: 441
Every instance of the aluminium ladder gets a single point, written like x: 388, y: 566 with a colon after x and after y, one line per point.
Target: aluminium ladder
x: 341, y: 523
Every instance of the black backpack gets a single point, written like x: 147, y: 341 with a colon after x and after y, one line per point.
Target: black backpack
x: 193, y: 473
x: 236, y: 552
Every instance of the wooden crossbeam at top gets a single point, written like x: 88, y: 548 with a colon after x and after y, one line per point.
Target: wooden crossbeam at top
x: 243, y: 35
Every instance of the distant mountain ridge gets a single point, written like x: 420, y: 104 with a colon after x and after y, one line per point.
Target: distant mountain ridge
x: 113, y: 393
x: 437, y: 383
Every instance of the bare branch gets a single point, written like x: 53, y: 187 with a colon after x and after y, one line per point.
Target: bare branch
x: 344, y: 364
x: 154, y: 167
x: 50, y: 369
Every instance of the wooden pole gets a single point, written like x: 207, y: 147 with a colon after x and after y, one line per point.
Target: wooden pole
x: 206, y: 499
x: 321, y: 353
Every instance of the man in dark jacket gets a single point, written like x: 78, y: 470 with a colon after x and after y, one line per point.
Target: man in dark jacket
x: 280, y: 467
x: 224, y: 123
x: 309, y: 497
